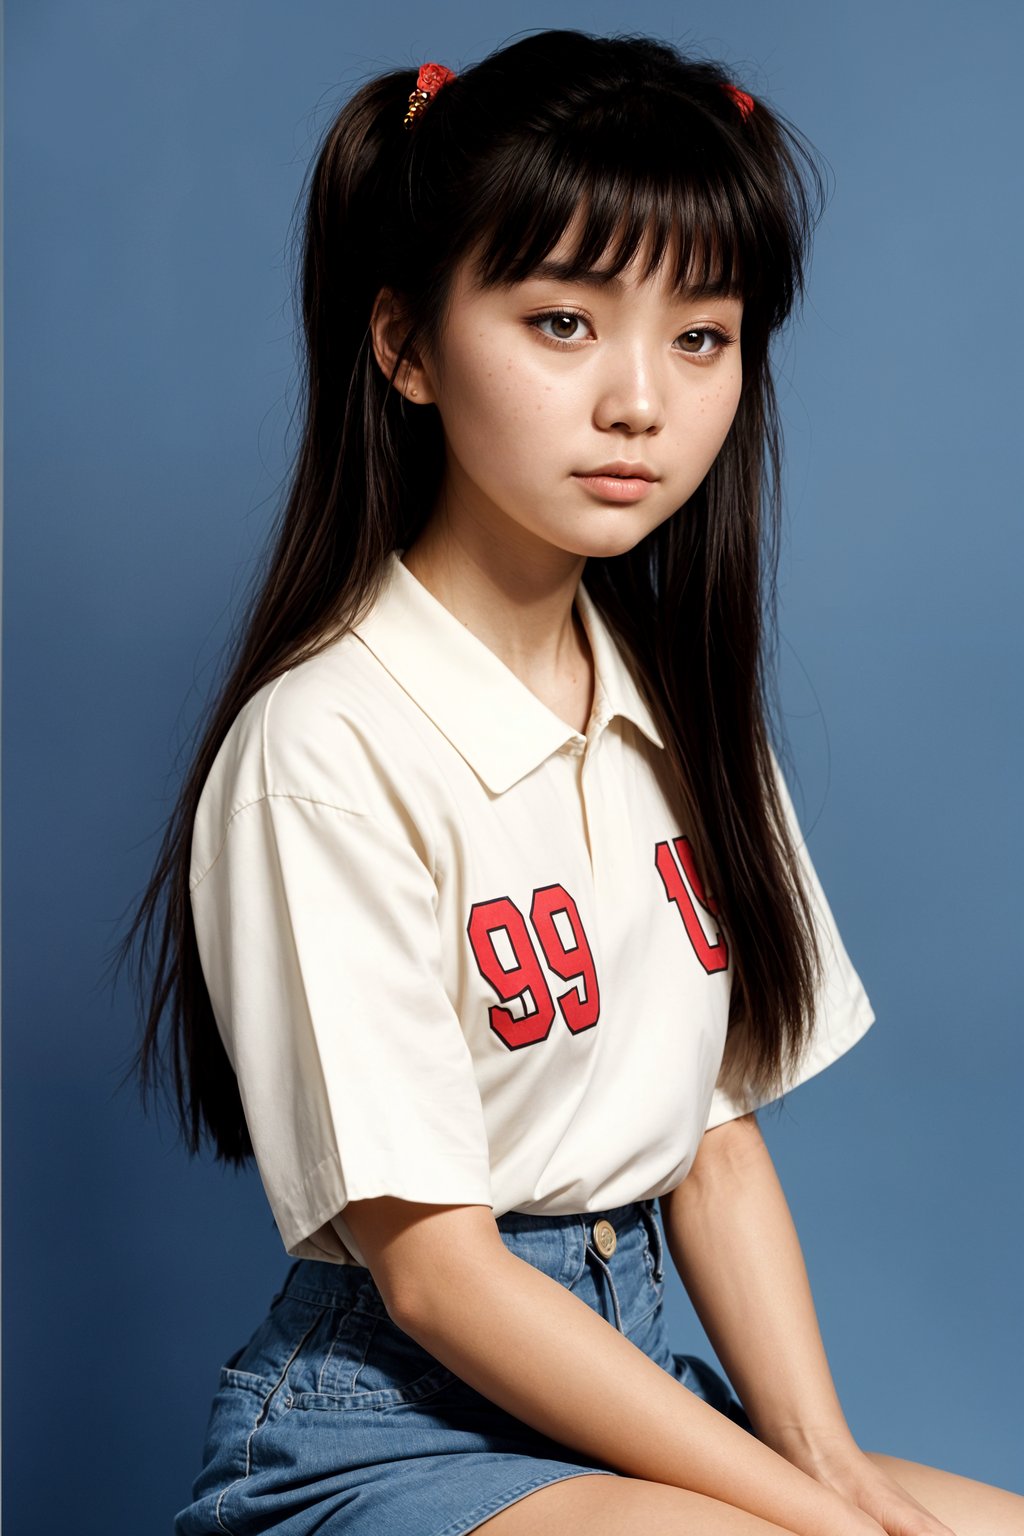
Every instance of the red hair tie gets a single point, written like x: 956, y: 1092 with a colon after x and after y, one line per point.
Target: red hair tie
x: 431, y: 78
x: 742, y: 100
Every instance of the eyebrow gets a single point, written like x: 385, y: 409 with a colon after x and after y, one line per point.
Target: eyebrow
x: 594, y: 277
x: 563, y: 272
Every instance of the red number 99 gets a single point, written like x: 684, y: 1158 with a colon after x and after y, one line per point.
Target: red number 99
x: 508, y: 960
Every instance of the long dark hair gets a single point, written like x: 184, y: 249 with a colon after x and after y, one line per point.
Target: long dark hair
x: 648, y: 143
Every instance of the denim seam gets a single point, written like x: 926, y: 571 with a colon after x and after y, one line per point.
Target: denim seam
x: 611, y: 1286
x: 329, y: 1356
x: 377, y: 1400
x: 260, y: 1419
x: 571, y: 1280
x: 654, y: 1242
x: 339, y: 1300
x: 457, y: 1527
x: 246, y: 1381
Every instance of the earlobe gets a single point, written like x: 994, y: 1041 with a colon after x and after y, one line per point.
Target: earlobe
x: 387, y: 332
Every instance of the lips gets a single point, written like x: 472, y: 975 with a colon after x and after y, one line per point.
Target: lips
x: 620, y: 470
x: 615, y: 487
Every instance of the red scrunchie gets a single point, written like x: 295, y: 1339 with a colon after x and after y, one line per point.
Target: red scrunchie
x: 742, y: 100
x: 432, y: 77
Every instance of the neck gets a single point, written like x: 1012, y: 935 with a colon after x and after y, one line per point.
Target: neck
x: 519, y: 603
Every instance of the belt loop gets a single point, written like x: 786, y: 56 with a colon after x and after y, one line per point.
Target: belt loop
x: 654, y: 1234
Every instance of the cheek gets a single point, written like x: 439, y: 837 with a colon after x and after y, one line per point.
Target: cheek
x: 496, y: 406
x: 717, y: 411
x: 482, y: 401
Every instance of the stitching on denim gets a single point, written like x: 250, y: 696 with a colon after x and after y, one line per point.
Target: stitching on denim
x: 439, y: 1379
x: 611, y: 1284
x: 655, y: 1247
x: 284, y: 1372
x: 660, y: 1256
x: 220, y: 1499
x: 458, y: 1526
x: 260, y: 1419
x: 245, y: 1381
x: 343, y: 1318
x: 411, y: 1392
x: 329, y: 1355
x: 582, y: 1269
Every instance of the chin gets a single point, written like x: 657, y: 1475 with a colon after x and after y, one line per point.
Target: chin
x: 610, y: 542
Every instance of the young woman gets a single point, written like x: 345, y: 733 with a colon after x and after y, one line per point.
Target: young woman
x: 488, y: 921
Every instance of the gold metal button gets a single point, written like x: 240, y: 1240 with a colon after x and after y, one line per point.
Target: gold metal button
x: 604, y: 1238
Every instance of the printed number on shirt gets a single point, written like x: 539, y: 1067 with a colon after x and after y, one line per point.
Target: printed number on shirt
x: 508, y: 960
x: 509, y: 955
x: 713, y: 956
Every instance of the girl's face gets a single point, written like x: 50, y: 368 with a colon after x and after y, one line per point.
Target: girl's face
x: 544, y: 383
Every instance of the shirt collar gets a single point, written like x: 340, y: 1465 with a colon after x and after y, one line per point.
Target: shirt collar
x: 491, y: 718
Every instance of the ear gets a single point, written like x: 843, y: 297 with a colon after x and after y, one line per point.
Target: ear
x: 388, y: 326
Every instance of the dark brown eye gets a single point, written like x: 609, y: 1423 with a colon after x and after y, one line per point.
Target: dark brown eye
x: 697, y: 336
x: 565, y: 325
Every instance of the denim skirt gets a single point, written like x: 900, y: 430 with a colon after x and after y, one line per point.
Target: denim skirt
x: 332, y: 1420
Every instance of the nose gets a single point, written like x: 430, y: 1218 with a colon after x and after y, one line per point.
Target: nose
x: 631, y: 396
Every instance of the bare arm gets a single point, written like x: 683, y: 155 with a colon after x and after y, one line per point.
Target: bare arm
x: 732, y: 1238
x: 526, y: 1342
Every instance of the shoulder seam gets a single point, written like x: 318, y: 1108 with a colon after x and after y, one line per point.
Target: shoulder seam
x: 263, y: 728
x: 269, y: 794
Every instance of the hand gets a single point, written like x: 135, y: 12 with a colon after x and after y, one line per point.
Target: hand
x: 858, y: 1480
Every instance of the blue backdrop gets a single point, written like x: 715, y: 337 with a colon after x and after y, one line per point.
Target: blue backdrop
x: 153, y: 156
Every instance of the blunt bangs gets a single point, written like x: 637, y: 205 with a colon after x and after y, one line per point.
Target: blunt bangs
x: 683, y: 181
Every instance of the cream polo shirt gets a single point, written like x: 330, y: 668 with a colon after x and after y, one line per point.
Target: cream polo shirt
x: 457, y: 952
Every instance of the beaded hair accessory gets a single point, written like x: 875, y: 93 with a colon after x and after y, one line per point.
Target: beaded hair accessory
x: 431, y: 78
x: 744, y: 102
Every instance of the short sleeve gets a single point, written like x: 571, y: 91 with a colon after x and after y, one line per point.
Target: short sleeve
x: 319, y: 942
x: 842, y: 1012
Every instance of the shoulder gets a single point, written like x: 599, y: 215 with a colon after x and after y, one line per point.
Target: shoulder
x: 333, y: 729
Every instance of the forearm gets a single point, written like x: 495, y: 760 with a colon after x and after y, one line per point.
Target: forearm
x: 528, y: 1344
x: 731, y: 1235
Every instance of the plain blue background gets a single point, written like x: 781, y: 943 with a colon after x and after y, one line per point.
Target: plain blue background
x: 154, y: 153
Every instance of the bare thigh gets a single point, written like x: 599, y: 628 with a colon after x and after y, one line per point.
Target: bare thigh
x: 621, y: 1506
x: 968, y: 1507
